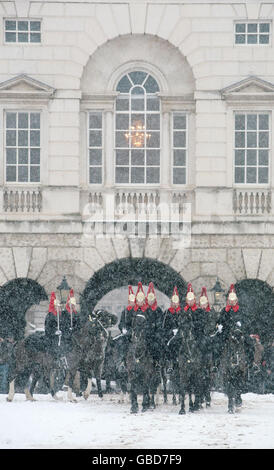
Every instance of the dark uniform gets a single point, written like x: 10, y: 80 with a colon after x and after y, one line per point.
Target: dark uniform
x: 154, y: 330
x: 170, y: 322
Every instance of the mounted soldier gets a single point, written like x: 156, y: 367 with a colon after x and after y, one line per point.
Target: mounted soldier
x: 154, y: 318
x: 229, y: 319
x: 204, y: 307
x: 170, y: 326
x: 125, y: 322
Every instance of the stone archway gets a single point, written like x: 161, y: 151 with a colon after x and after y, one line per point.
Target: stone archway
x: 127, y: 271
x: 16, y: 297
x: 256, y: 299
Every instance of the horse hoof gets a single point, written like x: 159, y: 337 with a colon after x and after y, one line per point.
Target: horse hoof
x: 134, y: 410
x: 9, y: 400
x: 85, y: 395
x: 182, y: 412
x: 230, y: 411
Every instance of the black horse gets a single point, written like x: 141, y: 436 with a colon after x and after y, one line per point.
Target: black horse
x: 87, y: 352
x: 114, y: 367
x: 234, y: 364
x: 143, y: 376
x: 189, y: 363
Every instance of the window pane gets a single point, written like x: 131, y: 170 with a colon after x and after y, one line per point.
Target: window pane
x: 251, y: 157
x: 10, y: 37
x: 263, y: 175
x: 137, y: 175
x: 23, y: 37
x: 11, y: 138
x: 179, y: 139
x: 240, y: 39
x: 239, y: 157
x: 95, y: 138
x: 122, y: 157
x: 95, y: 157
x: 239, y: 175
x: 153, y: 157
x: 122, y: 175
x: 122, y: 121
x: 251, y: 139
x: 263, y: 122
x: 23, y: 25
x: 252, y: 38
x: 264, y: 39
x: 11, y: 120
x: 153, y: 175
x: 179, y: 121
x: 151, y: 85
x: 124, y: 85
x: 154, y: 140
x: 11, y: 173
x: 153, y: 104
x: 95, y: 120
x: 137, y: 157
x: 122, y: 104
x: 35, y: 156
x: 263, y: 157
x: 240, y: 28
x: 137, y: 104
x: 10, y: 25
x: 251, y: 122
x: 179, y: 175
x: 35, y: 37
x: 252, y: 28
x: 95, y: 175
x: 138, y: 77
x: 34, y: 174
x: 23, y: 120
x: 23, y: 138
x: 35, y: 25
x: 35, y: 138
x: 153, y: 121
x: 121, y: 140
x: 264, y: 27
x: 11, y: 155
x: 179, y: 157
x: 22, y: 173
x: 23, y: 156
x: 239, y: 121
x: 138, y: 121
x: 251, y: 175
x: 34, y: 120
x: 263, y: 139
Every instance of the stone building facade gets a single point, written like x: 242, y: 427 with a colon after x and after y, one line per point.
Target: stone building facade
x: 77, y: 193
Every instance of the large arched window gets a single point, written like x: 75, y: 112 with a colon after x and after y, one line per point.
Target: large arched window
x: 137, y: 130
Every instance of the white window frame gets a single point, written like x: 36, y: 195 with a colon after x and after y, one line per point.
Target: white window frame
x: 22, y: 43
x: 256, y: 44
x: 138, y: 185
x: 99, y: 111
x: 259, y: 110
x: 186, y: 148
x: 43, y: 143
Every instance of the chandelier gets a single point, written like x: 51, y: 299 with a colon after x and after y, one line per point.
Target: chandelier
x: 137, y: 134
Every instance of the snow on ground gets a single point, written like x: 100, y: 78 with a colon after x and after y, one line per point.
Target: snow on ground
x: 106, y: 424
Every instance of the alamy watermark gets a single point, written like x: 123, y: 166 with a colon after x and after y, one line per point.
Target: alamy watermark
x: 104, y: 218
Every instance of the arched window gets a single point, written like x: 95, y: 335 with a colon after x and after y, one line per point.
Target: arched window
x: 137, y: 130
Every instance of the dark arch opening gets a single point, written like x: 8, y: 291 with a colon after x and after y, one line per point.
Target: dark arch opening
x: 16, y: 297
x: 127, y: 271
x: 256, y: 300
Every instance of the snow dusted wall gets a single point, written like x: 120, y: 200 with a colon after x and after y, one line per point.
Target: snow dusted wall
x: 85, y: 47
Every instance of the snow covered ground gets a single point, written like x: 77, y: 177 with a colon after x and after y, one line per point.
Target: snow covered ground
x: 106, y: 424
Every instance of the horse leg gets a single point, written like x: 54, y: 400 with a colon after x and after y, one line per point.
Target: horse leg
x: 86, y: 393
x: 146, y: 400
x: 182, y: 410
x: 10, y: 396
x: 70, y: 386
x: 99, y: 386
x: 164, y: 378
x: 133, y: 397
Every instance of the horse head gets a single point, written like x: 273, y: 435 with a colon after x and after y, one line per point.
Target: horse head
x: 99, y: 321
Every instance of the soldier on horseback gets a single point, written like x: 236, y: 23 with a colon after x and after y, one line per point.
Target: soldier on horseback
x: 154, y: 318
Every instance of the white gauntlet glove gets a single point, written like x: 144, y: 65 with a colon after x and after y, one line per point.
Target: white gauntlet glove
x: 220, y: 328
x: 238, y: 324
x: 58, y: 332
x: 175, y: 332
x: 124, y: 331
